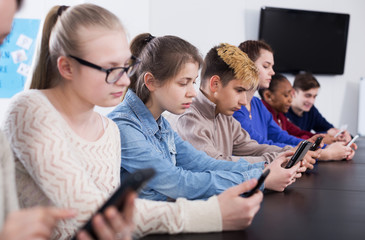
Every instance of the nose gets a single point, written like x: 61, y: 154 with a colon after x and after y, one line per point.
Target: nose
x: 272, y: 72
x: 191, y: 91
x: 311, y: 100
x: 123, y: 80
x: 243, y: 99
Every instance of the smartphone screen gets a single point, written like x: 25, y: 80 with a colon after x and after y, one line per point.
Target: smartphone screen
x: 316, y: 144
x: 299, y: 153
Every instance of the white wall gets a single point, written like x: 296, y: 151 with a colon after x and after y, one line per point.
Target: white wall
x: 206, y: 23
x: 339, y: 95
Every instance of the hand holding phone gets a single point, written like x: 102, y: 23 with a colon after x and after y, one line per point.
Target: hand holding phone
x: 258, y: 185
x: 352, y: 141
x: 133, y: 182
x: 299, y: 153
x: 316, y: 144
x: 342, y: 129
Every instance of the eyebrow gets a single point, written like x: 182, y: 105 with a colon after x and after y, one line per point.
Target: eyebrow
x: 241, y: 88
x: 190, y: 78
x: 114, y: 63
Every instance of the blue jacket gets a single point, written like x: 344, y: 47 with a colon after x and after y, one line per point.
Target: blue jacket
x: 182, y: 171
x: 262, y: 127
x: 312, y: 120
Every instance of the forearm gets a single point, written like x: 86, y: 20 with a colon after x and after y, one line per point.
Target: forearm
x: 182, y: 216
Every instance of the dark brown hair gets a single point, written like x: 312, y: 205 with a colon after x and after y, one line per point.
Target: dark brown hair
x: 163, y: 57
x: 252, y: 48
x: 305, y: 81
x: 214, y: 65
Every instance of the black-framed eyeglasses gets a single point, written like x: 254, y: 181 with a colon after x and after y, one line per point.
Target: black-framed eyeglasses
x: 115, y: 73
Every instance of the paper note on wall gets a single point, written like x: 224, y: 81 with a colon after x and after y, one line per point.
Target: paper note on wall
x: 17, y: 55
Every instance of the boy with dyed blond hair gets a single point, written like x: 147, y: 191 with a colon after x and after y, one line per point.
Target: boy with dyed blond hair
x: 226, y: 76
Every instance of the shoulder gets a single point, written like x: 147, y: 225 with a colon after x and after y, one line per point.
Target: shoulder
x: 28, y: 98
x: 258, y: 106
x: 30, y: 105
x: 191, y: 117
x: 122, y: 115
x: 120, y: 111
x: 314, y: 110
x: 290, y: 114
x: 256, y: 101
x: 112, y: 126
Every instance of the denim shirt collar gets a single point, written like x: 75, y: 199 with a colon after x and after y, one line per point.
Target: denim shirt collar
x: 144, y: 115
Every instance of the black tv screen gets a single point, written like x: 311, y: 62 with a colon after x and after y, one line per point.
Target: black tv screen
x: 305, y: 40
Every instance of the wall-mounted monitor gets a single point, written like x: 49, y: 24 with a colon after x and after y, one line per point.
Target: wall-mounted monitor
x: 303, y: 40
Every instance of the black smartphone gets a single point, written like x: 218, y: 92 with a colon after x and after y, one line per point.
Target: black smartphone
x: 316, y: 144
x: 299, y: 153
x: 133, y: 182
x: 259, y: 183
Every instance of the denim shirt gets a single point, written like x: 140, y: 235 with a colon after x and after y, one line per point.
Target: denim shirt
x: 182, y: 171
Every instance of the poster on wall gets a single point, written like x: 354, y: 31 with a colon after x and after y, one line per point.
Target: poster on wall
x: 17, y: 54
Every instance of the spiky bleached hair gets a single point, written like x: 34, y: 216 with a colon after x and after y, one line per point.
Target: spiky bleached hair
x: 244, y: 69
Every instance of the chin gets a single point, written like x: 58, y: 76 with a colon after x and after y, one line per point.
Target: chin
x: 111, y: 103
x: 178, y: 112
x: 230, y: 113
x: 264, y: 86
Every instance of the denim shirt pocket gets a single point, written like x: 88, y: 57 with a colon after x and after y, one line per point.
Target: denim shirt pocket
x: 172, y: 150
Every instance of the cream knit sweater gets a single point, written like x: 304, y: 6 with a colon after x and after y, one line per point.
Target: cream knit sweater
x: 54, y: 166
x: 8, y: 199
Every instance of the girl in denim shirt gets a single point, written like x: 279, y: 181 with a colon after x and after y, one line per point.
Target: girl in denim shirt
x: 164, y: 82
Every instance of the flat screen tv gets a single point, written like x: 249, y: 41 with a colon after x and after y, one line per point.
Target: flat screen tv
x: 303, y: 40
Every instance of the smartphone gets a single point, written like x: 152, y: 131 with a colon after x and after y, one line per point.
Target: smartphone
x: 339, y: 133
x: 316, y: 144
x: 299, y: 153
x: 133, y: 182
x: 342, y: 129
x: 352, y: 141
x: 259, y: 183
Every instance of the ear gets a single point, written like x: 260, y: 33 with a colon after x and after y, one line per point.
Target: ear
x: 214, y: 83
x: 267, y: 95
x: 65, y: 67
x: 150, y: 81
x: 295, y: 92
